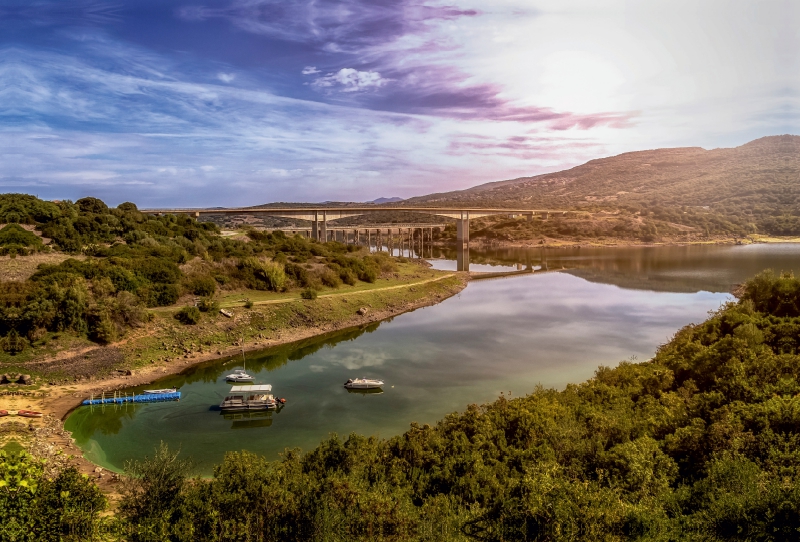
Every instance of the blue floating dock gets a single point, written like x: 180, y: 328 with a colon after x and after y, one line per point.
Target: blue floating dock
x: 141, y: 398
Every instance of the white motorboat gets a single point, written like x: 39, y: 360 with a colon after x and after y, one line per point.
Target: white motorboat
x: 161, y: 391
x: 250, y: 398
x: 239, y: 375
x: 363, y: 384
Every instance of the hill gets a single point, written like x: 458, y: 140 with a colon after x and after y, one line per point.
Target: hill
x: 748, y: 189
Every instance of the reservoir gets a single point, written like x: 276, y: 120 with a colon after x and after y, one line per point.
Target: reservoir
x: 582, y: 308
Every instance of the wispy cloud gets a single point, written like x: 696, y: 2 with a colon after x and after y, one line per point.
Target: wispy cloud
x: 350, y: 80
x: 346, y: 23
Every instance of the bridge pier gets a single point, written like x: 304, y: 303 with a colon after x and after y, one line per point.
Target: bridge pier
x: 319, y: 228
x: 462, y: 257
x: 462, y: 228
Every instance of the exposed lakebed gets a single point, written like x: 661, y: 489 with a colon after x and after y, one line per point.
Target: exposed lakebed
x: 599, y: 307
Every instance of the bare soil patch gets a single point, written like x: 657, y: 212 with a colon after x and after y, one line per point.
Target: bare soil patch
x: 22, y: 267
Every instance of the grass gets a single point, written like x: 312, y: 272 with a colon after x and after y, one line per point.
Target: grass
x: 406, y: 273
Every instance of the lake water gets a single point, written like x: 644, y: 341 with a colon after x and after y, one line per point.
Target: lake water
x: 593, y: 307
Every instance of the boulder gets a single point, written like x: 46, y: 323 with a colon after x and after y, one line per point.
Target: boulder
x: 362, y: 311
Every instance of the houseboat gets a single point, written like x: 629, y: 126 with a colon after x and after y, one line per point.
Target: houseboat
x: 250, y: 398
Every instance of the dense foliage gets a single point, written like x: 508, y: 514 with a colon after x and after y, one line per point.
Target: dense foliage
x: 124, y: 261
x: 35, y: 507
x: 699, y: 443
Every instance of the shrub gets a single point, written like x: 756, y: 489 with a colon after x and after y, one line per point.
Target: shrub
x: 188, y: 315
x: 208, y: 304
x: 263, y: 275
x: 330, y: 278
x: 368, y: 274
x: 204, y: 285
x: 248, y: 304
x: 101, y: 327
x: 348, y: 277
x: 162, y: 295
x: 298, y: 274
x: 308, y: 293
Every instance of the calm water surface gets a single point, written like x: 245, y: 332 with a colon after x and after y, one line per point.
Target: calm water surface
x: 498, y: 336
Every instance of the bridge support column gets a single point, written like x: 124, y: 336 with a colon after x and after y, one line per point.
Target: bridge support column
x: 462, y: 228
x: 323, y: 227
x: 462, y: 257
x: 319, y: 229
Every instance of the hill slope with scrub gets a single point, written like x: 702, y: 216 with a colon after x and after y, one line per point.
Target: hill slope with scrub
x: 111, y: 265
x: 679, y: 194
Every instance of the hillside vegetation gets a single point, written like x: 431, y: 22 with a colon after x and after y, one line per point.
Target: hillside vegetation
x: 681, y: 193
x: 119, y: 262
x: 699, y: 443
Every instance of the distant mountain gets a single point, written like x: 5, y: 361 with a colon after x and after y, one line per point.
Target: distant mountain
x: 763, y: 175
x: 385, y: 200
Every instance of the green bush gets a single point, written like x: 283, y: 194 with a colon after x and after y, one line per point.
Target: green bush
x: 263, y: 275
x: 208, y: 304
x: 100, y: 326
x: 248, y: 304
x: 62, y: 504
x: 348, y: 277
x: 188, y: 315
x: 308, y: 293
x: 204, y: 285
x: 14, y: 235
x: 330, y: 278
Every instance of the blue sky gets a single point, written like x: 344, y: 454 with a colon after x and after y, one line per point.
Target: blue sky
x: 240, y: 102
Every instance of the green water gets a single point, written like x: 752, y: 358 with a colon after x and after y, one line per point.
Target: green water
x: 497, y: 336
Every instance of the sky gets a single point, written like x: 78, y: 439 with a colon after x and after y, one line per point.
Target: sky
x: 240, y: 102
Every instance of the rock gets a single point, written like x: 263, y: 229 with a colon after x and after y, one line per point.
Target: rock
x: 362, y: 311
x: 98, y: 469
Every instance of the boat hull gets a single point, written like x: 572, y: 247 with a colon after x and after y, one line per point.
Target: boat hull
x: 247, y: 408
x: 361, y: 385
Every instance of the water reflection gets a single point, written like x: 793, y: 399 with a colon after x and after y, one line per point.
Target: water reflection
x: 248, y: 420
x: 496, y: 336
x: 713, y: 268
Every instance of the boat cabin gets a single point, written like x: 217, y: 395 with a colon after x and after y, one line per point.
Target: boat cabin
x: 247, y: 398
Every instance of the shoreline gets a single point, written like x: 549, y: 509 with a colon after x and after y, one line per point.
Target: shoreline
x: 556, y: 243
x: 61, y: 404
x: 46, y: 436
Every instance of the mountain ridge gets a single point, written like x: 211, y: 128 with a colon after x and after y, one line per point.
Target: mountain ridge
x: 669, y: 176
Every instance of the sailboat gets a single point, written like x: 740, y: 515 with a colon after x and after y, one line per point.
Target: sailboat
x: 240, y: 375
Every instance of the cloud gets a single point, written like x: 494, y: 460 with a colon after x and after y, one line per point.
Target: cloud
x: 351, y: 80
x: 346, y: 23
x: 226, y: 77
x: 310, y: 70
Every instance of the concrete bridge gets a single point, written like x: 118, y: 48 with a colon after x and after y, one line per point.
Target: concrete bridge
x: 320, y: 215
